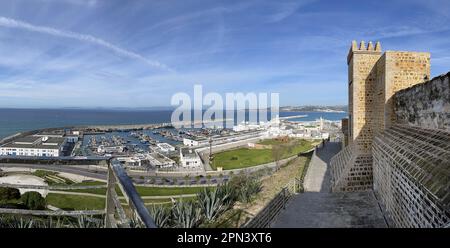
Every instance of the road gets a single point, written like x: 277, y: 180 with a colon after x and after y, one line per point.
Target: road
x: 68, y: 169
x: 138, y: 177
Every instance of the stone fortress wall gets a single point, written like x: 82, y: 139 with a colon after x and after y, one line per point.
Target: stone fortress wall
x: 398, y: 135
x: 411, y: 159
x: 425, y: 105
x: 373, y: 78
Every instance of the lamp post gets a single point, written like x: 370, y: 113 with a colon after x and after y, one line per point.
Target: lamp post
x: 210, y: 150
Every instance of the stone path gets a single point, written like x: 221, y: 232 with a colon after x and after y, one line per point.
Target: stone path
x: 318, y: 176
x: 318, y: 207
x: 329, y: 210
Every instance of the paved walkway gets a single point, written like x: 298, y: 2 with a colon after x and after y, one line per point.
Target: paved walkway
x: 318, y: 207
x: 318, y: 176
x: 330, y: 210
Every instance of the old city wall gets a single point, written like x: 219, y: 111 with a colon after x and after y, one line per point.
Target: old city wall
x: 425, y: 105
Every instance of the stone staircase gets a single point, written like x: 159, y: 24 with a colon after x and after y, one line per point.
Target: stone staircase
x: 318, y: 207
x: 331, y: 210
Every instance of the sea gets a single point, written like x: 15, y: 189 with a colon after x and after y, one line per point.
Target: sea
x: 18, y: 120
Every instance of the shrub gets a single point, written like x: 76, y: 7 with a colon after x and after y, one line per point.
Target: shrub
x: 186, y: 215
x: 212, y: 202
x: 160, y: 215
x: 7, y: 193
x: 245, y: 187
x: 33, y: 200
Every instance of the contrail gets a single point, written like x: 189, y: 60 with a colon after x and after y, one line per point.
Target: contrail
x: 11, y: 23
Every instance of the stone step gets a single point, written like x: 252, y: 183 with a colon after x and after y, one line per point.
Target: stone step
x: 330, y: 210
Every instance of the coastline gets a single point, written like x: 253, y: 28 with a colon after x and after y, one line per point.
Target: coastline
x: 20, y: 121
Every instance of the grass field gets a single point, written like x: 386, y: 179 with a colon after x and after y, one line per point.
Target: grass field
x: 241, y: 158
x: 147, y: 191
x: 52, y: 178
x: 247, y: 157
x: 160, y: 191
x: 75, y: 202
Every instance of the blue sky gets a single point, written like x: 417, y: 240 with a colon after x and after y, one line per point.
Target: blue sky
x: 105, y: 53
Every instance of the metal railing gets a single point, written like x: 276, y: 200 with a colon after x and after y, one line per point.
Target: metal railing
x: 116, y: 216
x: 51, y: 212
x: 340, y: 166
x: 265, y: 217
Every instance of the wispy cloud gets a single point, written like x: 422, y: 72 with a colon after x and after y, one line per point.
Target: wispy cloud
x: 12, y: 23
x: 287, y: 9
x: 391, y: 32
x: 88, y: 3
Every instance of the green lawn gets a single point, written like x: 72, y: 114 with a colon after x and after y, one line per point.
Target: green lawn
x: 86, y: 183
x: 147, y: 191
x: 159, y: 191
x: 169, y: 200
x: 247, y: 157
x: 52, y: 177
x: 75, y: 202
x: 241, y: 158
x: 99, y: 191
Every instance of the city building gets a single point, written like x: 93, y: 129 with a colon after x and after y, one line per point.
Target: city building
x: 130, y: 161
x: 195, y: 141
x: 245, y: 126
x: 189, y: 158
x: 160, y: 161
x: 164, y: 147
x: 110, y: 149
x: 40, y: 146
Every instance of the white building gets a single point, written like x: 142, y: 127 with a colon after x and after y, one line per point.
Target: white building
x: 160, y: 161
x: 36, y: 146
x: 245, y: 126
x: 164, y: 147
x: 72, y: 138
x: 189, y: 158
x: 130, y: 161
x: 110, y: 149
x: 195, y: 141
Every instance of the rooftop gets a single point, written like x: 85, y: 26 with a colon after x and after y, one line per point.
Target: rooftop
x: 36, y: 142
x: 189, y: 153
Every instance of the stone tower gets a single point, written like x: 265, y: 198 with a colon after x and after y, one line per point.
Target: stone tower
x: 362, y: 77
x: 373, y: 78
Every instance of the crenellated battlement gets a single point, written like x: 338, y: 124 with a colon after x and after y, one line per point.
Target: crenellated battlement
x: 362, y: 46
x: 363, y: 49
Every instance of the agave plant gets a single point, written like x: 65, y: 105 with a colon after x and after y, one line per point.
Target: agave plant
x: 13, y: 221
x: 250, y: 188
x: 227, y: 192
x: 16, y: 222
x: 212, y: 202
x: 186, y: 215
x: 83, y: 221
x: 134, y: 221
x: 160, y: 215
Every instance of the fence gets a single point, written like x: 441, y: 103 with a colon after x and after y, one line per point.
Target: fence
x: 265, y: 217
x: 116, y: 216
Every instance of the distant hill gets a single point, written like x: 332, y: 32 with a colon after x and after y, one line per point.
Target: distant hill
x: 314, y: 108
